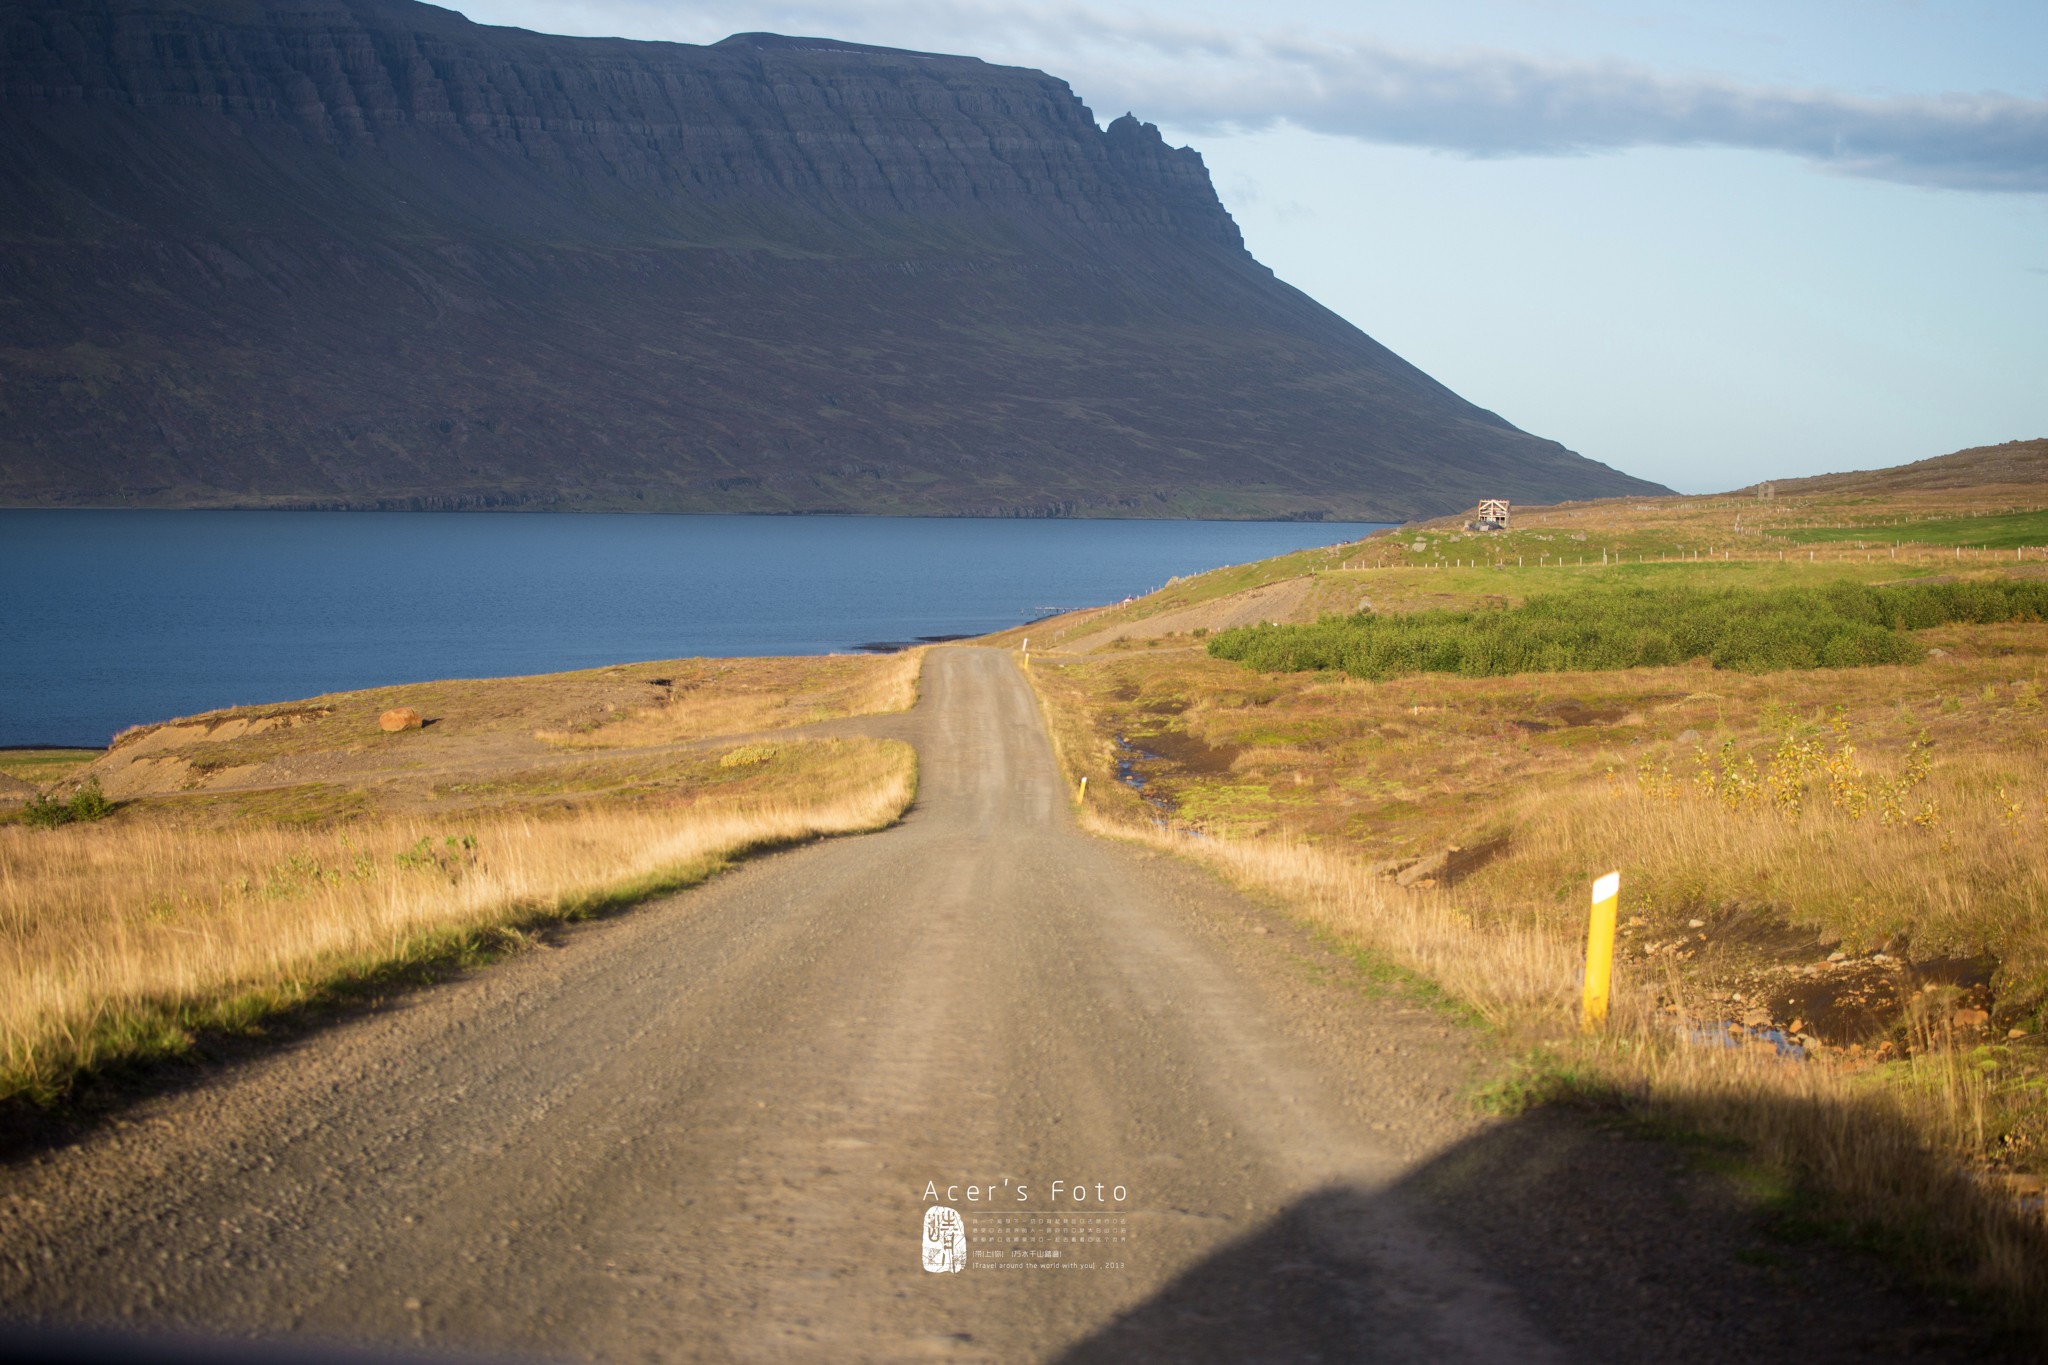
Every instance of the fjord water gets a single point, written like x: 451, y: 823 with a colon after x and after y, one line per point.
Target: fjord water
x: 113, y: 618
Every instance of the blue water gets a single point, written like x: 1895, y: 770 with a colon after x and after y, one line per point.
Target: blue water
x: 109, y: 619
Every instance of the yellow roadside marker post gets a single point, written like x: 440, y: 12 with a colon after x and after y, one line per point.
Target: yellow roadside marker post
x: 1084, y: 788
x: 1600, y: 949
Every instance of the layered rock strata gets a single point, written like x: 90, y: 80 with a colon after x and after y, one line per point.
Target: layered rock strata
x: 367, y: 253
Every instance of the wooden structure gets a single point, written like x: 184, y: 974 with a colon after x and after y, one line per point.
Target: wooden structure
x: 1494, y: 510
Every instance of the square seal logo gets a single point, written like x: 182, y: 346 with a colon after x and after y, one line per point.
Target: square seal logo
x: 945, y: 1241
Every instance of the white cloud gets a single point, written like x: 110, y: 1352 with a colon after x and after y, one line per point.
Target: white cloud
x: 1474, y: 103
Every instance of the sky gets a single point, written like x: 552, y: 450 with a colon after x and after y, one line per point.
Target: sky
x: 1707, y: 243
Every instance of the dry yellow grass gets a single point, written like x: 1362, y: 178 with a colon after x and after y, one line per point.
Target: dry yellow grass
x: 1871, y: 852
x: 1923, y: 789
x: 716, y: 697
x: 1900, y: 809
x: 1516, y: 975
x: 479, y: 742
x: 1826, y: 818
x: 120, y: 940
x: 1880, y: 1153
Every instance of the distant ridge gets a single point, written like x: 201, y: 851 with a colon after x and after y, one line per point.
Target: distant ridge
x: 366, y: 253
x: 2011, y: 463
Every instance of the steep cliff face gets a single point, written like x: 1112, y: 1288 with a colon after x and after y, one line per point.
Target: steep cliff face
x: 364, y: 252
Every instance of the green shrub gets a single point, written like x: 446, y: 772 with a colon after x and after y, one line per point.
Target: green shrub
x: 89, y: 802
x: 44, y: 812
x: 86, y: 804
x: 1843, y: 625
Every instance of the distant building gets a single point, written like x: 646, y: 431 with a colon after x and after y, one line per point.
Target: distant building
x: 1493, y: 515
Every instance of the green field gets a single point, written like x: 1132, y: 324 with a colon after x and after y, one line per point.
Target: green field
x: 1992, y: 533
x: 1839, y: 625
x: 44, y: 765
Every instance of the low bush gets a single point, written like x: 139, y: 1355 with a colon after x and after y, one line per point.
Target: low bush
x: 88, y: 803
x: 1842, y: 625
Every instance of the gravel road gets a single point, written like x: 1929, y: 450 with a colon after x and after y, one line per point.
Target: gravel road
x: 711, y: 1128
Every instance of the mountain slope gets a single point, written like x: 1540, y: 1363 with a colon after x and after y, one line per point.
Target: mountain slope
x: 367, y: 253
x: 2013, y: 464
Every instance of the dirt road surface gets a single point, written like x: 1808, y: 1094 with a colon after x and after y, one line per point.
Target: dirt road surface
x: 711, y: 1128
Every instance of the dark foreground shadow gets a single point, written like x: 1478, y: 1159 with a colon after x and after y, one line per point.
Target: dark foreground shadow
x: 1604, y: 1247
x: 1610, y: 1246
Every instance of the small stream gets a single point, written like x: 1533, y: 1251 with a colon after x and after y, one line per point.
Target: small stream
x: 1727, y: 1033
x: 1129, y: 756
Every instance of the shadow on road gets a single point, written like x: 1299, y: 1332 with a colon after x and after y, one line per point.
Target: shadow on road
x: 1616, y: 1248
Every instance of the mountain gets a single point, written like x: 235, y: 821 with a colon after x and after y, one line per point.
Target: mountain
x: 366, y: 253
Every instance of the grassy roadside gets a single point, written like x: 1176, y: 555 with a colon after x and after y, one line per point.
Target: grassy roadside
x: 121, y: 943
x: 1842, y: 863
x: 262, y: 861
